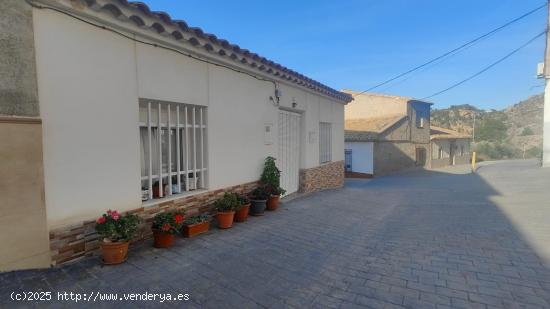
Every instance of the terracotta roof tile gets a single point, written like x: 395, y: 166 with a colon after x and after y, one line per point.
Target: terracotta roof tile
x: 442, y: 133
x: 369, y: 129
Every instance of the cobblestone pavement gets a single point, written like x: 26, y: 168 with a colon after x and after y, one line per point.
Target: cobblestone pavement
x: 424, y: 239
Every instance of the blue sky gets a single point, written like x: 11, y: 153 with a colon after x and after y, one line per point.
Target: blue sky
x: 358, y: 43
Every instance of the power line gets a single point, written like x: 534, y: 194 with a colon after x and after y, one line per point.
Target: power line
x: 37, y: 6
x: 456, y: 49
x: 434, y: 64
x: 488, y: 67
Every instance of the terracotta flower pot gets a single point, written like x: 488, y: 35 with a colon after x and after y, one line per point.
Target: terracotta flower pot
x: 257, y: 207
x: 242, y: 214
x: 273, y: 202
x: 225, y: 219
x: 114, y: 252
x: 195, y: 229
x: 163, y: 240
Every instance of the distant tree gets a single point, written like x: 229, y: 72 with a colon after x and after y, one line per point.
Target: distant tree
x: 496, y: 151
x: 533, y: 152
x: 527, y: 131
x: 491, y: 130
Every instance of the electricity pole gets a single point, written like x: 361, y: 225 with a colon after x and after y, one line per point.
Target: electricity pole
x: 546, y: 72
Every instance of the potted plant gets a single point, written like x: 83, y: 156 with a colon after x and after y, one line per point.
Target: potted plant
x: 242, y: 209
x: 165, y: 225
x: 258, y: 199
x: 115, y: 233
x: 274, y: 197
x: 271, y: 178
x: 196, y: 225
x: 226, y: 206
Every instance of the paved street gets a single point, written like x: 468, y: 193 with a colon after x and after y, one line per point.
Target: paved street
x: 422, y: 239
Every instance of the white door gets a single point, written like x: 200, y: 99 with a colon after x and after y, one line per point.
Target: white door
x: 361, y: 157
x: 288, y: 160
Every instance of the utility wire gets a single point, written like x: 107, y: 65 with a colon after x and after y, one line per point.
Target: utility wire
x: 456, y: 49
x: 37, y: 6
x: 426, y: 68
x: 488, y: 67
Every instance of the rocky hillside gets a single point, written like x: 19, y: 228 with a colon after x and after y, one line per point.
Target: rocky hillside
x: 498, y: 134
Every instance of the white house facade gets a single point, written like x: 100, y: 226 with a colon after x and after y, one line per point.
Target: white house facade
x: 140, y: 112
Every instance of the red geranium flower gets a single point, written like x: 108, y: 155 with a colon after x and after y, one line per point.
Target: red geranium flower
x: 166, y: 227
x: 178, y: 218
x: 100, y: 220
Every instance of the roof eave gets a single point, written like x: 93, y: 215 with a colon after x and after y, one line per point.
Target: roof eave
x: 161, y: 25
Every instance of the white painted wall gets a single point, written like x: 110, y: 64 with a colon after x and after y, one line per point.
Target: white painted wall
x: 90, y: 82
x: 546, y: 129
x: 88, y: 96
x: 362, y: 157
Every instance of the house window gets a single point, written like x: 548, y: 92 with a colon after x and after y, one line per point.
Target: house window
x: 420, y: 122
x: 325, y: 142
x: 172, y: 147
x: 440, y: 153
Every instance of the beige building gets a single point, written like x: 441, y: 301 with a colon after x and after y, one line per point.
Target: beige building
x: 449, y: 147
x: 134, y: 111
x: 395, y: 130
x: 385, y: 134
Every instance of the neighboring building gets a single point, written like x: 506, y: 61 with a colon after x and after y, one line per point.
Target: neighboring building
x: 449, y: 147
x: 385, y: 134
x: 108, y: 121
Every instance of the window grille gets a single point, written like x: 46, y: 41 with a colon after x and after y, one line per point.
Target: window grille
x: 172, y: 147
x: 325, y: 142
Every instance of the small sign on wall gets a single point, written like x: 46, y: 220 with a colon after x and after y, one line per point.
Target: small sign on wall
x: 268, y: 133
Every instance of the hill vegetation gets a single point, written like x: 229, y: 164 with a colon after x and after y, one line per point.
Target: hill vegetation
x: 514, y: 132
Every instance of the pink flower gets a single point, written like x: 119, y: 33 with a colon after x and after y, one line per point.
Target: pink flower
x: 114, y: 214
x: 100, y: 220
x: 166, y: 227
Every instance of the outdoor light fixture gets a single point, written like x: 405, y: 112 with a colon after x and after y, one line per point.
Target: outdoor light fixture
x: 278, y: 95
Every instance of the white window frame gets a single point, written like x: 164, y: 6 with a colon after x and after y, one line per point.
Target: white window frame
x: 178, y: 119
x: 325, y: 142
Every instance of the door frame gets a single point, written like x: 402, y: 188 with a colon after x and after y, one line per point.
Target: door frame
x: 299, y: 138
x: 348, y: 153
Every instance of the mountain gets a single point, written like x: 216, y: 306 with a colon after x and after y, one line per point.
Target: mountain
x: 499, y: 134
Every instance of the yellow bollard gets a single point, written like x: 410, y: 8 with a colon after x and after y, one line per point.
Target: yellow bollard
x: 473, y: 161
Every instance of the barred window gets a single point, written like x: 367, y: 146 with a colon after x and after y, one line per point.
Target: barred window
x: 172, y: 148
x: 325, y: 142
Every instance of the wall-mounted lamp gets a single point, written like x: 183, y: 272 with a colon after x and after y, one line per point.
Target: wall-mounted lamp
x: 294, y: 104
x: 278, y: 95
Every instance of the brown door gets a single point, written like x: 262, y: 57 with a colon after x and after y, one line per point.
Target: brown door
x: 420, y: 156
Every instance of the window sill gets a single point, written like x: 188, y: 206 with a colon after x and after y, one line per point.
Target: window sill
x: 154, y: 202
